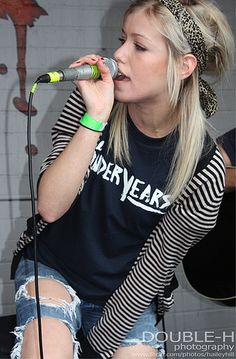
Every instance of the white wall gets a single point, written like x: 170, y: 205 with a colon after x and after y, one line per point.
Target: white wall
x: 71, y: 29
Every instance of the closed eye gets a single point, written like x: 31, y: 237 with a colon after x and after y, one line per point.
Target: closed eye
x: 137, y: 46
x: 122, y: 41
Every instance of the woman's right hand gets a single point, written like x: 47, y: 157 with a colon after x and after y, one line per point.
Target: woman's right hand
x: 98, y: 95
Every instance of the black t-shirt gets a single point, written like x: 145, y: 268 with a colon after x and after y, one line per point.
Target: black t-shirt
x: 95, y: 243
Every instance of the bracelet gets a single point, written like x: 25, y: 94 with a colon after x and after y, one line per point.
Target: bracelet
x: 94, y: 125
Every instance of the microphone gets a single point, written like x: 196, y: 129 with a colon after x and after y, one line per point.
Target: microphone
x: 84, y: 72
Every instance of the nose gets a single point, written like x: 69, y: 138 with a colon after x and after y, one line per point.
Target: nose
x: 120, y: 54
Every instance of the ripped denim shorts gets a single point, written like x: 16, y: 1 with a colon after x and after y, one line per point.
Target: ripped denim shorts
x: 76, y: 315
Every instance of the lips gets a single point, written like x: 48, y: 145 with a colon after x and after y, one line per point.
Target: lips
x: 120, y: 76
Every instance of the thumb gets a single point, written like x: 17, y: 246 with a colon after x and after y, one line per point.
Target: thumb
x: 104, y: 70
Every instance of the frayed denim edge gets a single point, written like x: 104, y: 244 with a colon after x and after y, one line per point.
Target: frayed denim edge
x: 132, y: 342
x: 67, y: 307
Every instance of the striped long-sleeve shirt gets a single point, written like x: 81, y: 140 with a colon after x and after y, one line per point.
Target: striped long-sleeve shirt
x: 188, y: 220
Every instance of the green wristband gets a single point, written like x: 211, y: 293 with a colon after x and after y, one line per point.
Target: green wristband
x: 94, y: 125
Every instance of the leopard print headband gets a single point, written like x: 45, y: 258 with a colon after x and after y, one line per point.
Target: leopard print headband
x: 194, y: 36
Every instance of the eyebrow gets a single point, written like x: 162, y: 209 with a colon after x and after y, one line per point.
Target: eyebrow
x: 138, y: 35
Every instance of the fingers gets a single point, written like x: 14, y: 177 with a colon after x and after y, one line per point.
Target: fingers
x: 88, y: 59
x: 94, y: 60
x: 104, y: 71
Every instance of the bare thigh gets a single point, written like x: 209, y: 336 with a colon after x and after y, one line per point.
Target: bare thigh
x: 57, y: 339
x: 139, y: 351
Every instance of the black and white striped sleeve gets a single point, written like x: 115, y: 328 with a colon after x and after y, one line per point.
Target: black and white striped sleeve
x: 62, y: 132
x: 65, y: 127
x: 188, y: 220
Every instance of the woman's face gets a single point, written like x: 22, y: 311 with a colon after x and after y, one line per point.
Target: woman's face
x: 142, y: 60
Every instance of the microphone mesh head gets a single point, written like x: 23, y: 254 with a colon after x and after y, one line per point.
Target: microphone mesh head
x: 112, y: 65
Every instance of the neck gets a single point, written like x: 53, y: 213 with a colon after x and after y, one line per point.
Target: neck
x: 153, y: 122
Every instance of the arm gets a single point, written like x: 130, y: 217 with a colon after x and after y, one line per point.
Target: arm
x: 230, y: 176
x: 62, y: 179
x: 187, y: 221
x: 62, y: 133
x: 61, y: 182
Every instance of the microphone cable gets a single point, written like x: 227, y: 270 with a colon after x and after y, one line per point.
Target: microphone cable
x: 164, y: 331
x: 32, y: 197
x: 31, y: 185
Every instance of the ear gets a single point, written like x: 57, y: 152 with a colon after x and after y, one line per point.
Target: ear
x: 189, y: 63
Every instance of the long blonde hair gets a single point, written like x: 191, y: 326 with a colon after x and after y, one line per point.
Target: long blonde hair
x: 183, y: 94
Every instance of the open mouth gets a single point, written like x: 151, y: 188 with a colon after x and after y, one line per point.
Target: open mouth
x: 120, y: 76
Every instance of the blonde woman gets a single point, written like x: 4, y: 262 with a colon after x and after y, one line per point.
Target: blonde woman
x: 128, y: 188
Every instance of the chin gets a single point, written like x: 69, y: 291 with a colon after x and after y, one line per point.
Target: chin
x: 123, y: 98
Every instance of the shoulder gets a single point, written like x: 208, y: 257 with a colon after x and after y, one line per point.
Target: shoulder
x: 210, y: 156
